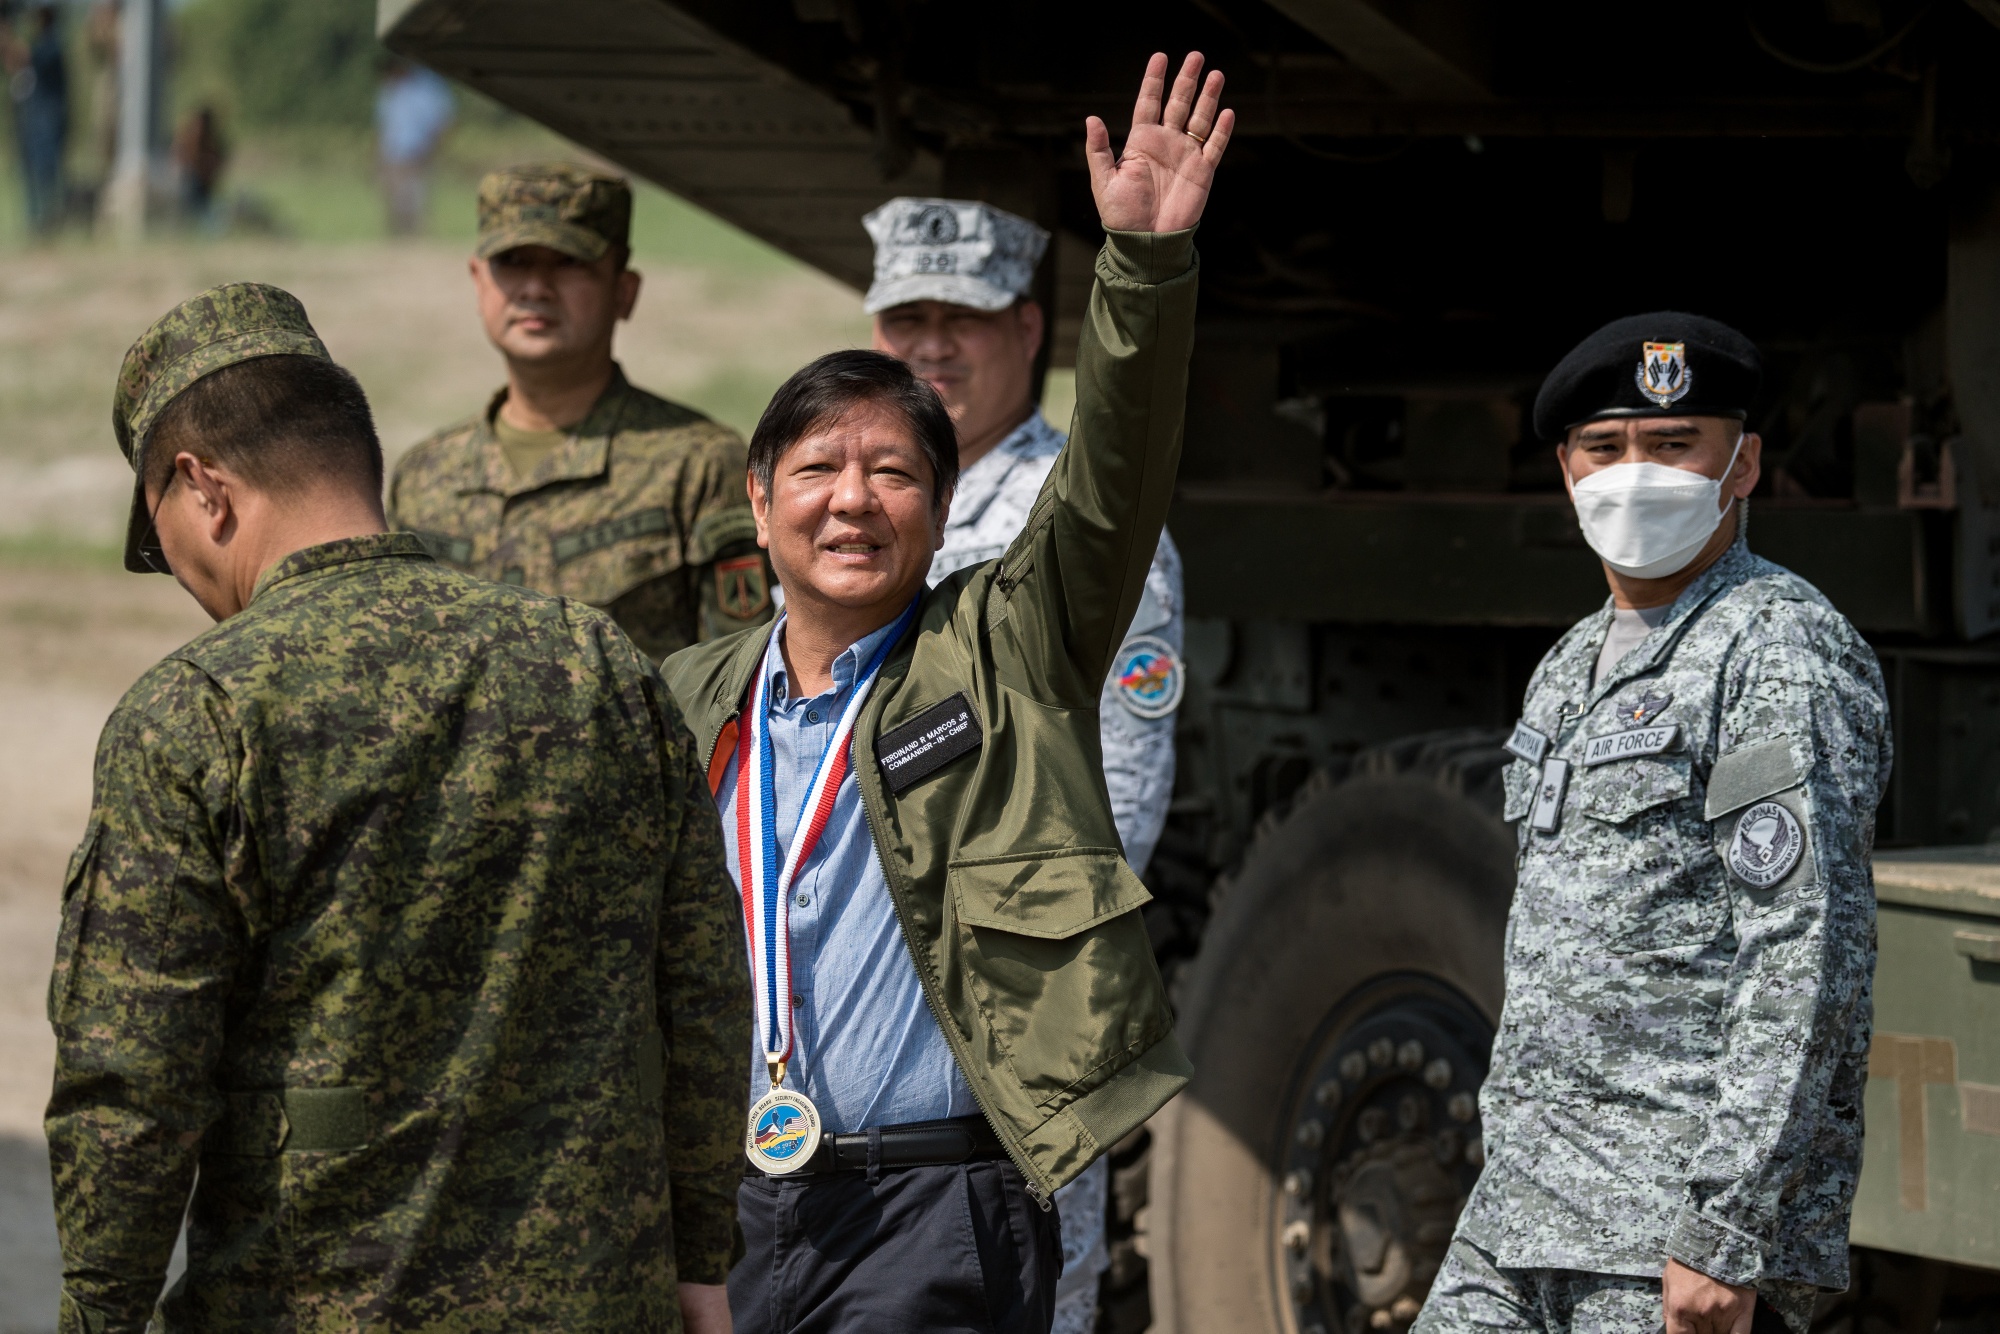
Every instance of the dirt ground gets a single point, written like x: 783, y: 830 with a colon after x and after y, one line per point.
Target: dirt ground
x: 74, y: 636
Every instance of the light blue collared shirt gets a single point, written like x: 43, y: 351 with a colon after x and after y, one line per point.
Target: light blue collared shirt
x: 866, y: 1048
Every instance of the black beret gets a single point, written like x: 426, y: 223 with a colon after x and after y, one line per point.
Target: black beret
x: 1667, y: 364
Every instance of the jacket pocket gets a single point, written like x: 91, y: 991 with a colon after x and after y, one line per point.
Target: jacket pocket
x: 1057, y: 960
x: 69, y: 936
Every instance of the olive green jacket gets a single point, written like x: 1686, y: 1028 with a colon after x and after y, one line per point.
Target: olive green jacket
x: 1020, y: 914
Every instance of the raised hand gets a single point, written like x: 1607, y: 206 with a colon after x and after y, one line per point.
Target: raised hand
x: 1160, y: 182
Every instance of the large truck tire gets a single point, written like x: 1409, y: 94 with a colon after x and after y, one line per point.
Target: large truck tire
x: 1339, y: 1016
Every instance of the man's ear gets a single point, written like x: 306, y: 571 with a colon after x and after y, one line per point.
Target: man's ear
x: 1033, y: 323
x: 1749, y: 467
x: 760, y: 506
x: 942, y: 520
x: 213, y: 491
x: 629, y: 282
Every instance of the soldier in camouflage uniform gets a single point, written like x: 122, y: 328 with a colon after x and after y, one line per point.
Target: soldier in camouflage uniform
x: 400, y: 932
x: 572, y: 481
x: 1673, y: 1118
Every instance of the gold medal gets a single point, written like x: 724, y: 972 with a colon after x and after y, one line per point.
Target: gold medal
x: 784, y: 1128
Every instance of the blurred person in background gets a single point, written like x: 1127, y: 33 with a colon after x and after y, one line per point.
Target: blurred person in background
x: 200, y: 153
x: 100, y: 59
x: 38, y: 81
x: 413, y: 110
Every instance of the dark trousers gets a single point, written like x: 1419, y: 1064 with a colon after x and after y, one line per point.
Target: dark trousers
x: 913, y: 1250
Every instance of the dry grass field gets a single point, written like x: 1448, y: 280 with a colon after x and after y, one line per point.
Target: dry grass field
x: 75, y: 631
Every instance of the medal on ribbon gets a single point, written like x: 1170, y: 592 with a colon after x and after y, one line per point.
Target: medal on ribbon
x: 784, y: 1127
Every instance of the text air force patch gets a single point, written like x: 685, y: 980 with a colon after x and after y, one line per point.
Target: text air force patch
x: 1148, y: 676
x: 1663, y: 373
x: 1767, y: 845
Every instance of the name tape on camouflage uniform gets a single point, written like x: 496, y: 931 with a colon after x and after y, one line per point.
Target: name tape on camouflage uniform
x: 1526, y: 743
x: 1628, y: 744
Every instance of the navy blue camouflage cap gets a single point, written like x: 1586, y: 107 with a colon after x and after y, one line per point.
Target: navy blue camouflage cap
x: 1667, y: 364
x: 221, y: 327
x: 954, y: 250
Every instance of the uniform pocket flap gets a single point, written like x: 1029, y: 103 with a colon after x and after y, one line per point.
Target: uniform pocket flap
x: 1050, y: 895
x: 1618, y: 791
x: 1750, y: 773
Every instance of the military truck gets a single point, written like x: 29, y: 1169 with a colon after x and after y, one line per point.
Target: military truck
x: 1427, y: 202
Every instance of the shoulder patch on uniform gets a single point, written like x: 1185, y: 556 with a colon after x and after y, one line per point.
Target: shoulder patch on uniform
x: 741, y: 590
x: 1148, y: 676
x: 1768, y: 843
x: 1750, y: 773
x: 718, y: 530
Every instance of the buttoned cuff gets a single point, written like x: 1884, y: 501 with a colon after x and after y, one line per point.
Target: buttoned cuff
x: 1718, y: 1250
x: 1149, y: 257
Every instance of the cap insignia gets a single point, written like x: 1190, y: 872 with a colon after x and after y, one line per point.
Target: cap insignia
x: 1663, y: 373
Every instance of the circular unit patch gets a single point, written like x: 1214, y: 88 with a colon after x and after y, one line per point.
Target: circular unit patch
x: 1767, y: 845
x: 784, y: 1131
x: 1148, y: 676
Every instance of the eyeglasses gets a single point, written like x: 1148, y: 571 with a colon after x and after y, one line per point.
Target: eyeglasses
x: 149, y: 545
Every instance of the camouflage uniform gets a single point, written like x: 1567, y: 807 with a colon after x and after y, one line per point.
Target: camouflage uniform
x: 641, y: 511
x: 1680, y: 1061
x: 401, y: 916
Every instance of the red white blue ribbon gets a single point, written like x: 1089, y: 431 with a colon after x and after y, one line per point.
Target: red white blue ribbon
x: 766, y: 872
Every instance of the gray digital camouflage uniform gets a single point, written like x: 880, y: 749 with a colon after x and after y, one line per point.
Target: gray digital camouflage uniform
x: 1679, y: 1067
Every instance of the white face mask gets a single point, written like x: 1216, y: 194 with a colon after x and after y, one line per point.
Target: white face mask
x: 1648, y: 520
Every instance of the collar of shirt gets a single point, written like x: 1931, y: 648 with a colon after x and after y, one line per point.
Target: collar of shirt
x: 345, y: 551
x: 585, y: 454
x: 987, y: 477
x: 846, y: 668
x: 1572, y: 662
x: 867, y: 1050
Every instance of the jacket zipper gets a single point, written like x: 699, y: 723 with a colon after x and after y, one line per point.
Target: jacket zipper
x: 1038, y: 1188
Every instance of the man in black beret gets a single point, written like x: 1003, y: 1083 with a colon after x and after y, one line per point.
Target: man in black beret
x: 1673, y: 1118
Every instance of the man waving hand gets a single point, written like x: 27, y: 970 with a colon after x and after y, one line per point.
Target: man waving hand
x: 958, y: 1010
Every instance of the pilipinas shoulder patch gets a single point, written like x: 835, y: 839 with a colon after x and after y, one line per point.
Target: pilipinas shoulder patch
x: 1767, y: 844
x: 1148, y: 676
x: 934, y: 738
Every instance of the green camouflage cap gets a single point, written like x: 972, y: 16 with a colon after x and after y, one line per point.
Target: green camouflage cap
x: 224, y: 325
x: 582, y: 213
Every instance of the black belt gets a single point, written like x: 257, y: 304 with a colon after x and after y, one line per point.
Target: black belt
x: 962, y: 1139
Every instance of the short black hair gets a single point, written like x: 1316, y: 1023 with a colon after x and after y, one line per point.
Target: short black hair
x: 283, y: 422
x: 827, y: 389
